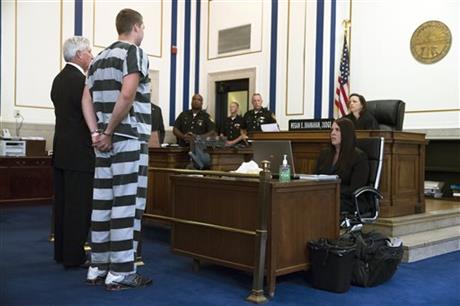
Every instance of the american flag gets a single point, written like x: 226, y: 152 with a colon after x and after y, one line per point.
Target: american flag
x: 342, y: 90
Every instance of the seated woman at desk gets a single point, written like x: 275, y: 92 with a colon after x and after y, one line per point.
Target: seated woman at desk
x: 359, y: 115
x: 344, y: 159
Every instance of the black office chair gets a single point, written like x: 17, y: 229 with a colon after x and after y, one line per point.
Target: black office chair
x: 373, y: 147
x: 388, y: 113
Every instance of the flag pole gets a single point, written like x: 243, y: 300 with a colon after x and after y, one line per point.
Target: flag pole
x: 343, y: 89
x: 346, y: 33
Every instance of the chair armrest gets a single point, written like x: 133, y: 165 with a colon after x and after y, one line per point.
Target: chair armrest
x: 378, y: 196
x: 358, y: 192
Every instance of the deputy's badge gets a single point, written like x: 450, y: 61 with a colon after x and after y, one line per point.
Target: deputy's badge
x: 236, y: 125
x: 200, y: 122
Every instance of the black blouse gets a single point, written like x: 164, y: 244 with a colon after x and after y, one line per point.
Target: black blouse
x: 355, y: 177
x: 366, y: 121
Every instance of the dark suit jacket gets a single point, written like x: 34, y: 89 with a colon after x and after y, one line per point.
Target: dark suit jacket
x: 72, y: 148
x: 353, y: 178
x: 157, y: 122
x: 366, y: 121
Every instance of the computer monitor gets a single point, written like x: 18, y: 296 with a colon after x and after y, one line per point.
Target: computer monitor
x: 273, y: 151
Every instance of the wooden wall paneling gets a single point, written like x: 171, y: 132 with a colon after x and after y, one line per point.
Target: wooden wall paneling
x: 27, y: 179
x: 420, y: 207
x: 159, y: 185
x: 4, y: 182
x: 230, y: 204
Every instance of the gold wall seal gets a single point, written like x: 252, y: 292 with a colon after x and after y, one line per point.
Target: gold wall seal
x: 430, y: 42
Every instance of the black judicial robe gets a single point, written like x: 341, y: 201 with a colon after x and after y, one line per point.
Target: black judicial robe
x: 366, y: 121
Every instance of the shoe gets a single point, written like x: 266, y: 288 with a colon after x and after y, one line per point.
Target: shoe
x: 128, y: 282
x: 99, y: 280
x: 95, y: 276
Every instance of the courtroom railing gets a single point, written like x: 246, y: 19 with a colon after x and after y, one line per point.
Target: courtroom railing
x: 257, y: 293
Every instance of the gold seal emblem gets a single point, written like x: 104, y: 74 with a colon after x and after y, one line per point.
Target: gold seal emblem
x: 430, y: 42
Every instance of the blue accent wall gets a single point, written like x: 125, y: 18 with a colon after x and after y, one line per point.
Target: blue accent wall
x: 197, y: 45
x: 173, y: 64
x: 78, y: 18
x: 273, y: 55
x: 187, y: 30
x: 332, y: 59
x: 319, y: 57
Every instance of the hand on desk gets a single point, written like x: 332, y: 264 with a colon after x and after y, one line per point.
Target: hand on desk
x: 233, y: 142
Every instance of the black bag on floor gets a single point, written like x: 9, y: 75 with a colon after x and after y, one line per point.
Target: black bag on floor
x: 331, y: 264
x: 376, y: 259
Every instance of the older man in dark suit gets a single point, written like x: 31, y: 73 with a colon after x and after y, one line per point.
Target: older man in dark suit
x: 73, y: 156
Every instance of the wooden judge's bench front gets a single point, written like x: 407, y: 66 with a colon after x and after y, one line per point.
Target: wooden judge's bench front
x: 403, y: 174
x: 402, y: 180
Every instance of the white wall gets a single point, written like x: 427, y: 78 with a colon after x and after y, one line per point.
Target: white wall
x: 295, y: 83
x: 381, y: 63
x: 30, y: 60
x: 157, y: 20
x: 256, y: 58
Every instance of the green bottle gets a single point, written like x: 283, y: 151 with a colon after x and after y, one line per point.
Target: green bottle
x: 285, y: 170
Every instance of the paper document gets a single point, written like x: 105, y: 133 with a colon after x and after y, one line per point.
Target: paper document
x: 317, y: 177
x: 32, y: 138
x: 248, y: 168
x: 270, y: 127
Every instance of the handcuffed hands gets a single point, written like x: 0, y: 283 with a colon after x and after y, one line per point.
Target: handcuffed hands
x: 102, y: 142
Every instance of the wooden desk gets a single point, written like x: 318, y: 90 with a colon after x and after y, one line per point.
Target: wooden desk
x: 213, y: 219
x: 403, y: 174
x: 402, y: 178
x: 159, y: 186
x: 26, y: 180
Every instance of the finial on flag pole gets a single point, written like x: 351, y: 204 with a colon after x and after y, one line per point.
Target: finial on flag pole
x: 346, y: 24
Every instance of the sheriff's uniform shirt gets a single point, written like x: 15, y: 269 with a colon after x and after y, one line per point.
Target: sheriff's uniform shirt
x: 198, y: 124
x: 253, y: 119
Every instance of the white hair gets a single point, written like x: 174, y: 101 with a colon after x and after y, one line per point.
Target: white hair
x: 74, y: 44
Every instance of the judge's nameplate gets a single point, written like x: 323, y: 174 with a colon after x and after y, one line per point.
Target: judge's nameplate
x: 430, y: 42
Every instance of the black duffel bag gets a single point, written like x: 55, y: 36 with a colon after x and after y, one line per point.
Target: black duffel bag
x: 377, y: 259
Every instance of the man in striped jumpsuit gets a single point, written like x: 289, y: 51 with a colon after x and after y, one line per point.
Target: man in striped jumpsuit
x: 116, y: 106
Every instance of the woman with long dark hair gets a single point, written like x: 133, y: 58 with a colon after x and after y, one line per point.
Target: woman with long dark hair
x: 359, y: 115
x: 344, y: 159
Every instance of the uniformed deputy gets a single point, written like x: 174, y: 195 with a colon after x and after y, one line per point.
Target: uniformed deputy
x: 157, y: 122
x: 232, y: 126
x: 257, y: 116
x: 193, y: 122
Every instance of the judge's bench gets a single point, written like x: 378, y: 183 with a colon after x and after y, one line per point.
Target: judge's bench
x: 402, y: 178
